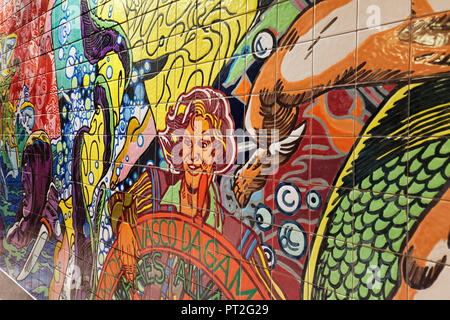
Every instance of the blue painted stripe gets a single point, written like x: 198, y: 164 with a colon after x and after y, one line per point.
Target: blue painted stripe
x: 250, y: 250
x: 243, y: 240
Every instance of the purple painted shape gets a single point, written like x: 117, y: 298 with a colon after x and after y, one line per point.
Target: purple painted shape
x: 98, y: 42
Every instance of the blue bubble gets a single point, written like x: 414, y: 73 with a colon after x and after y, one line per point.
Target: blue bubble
x: 127, y: 114
x: 140, y: 140
x: 147, y: 66
x: 139, y: 92
x: 109, y: 72
x: 126, y: 99
x: 91, y: 177
x: 110, y: 11
x: 122, y: 126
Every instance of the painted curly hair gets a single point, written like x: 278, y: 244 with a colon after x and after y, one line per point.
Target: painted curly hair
x: 213, y: 106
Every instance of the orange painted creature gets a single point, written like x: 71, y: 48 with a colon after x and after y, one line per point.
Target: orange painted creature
x: 321, y: 51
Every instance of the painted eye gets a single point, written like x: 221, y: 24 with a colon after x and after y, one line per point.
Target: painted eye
x: 205, y: 144
x: 313, y: 200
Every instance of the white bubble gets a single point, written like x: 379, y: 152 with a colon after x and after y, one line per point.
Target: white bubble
x: 292, y: 239
x: 288, y: 198
x: 109, y: 72
x: 91, y: 177
x: 264, y: 217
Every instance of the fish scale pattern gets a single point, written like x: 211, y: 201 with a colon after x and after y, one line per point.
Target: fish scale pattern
x: 370, y: 223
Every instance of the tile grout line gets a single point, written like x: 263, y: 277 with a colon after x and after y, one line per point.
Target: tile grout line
x: 15, y: 282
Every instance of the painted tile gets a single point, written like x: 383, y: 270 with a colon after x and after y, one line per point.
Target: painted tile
x: 392, y: 43
x: 425, y: 7
x: 335, y: 18
x: 376, y: 13
x: 428, y: 55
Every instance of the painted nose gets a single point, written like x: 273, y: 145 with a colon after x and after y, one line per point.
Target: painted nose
x: 194, y: 156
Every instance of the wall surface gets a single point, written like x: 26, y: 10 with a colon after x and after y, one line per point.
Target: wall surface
x: 259, y: 149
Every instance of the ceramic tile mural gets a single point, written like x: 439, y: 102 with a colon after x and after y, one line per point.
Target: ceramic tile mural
x: 258, y: 149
